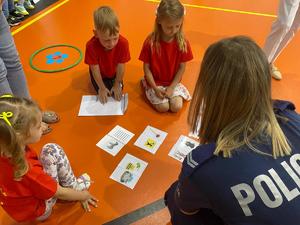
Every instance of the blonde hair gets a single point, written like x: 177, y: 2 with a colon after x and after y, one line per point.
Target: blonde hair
x: 24, y: 116
x: 232, y: 103
x: 168, y: 9
x: 106, y: 20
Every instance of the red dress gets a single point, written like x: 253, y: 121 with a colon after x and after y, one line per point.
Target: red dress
x: 165, y: 63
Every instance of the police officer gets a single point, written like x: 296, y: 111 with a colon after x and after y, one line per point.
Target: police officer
x: 247, y: 169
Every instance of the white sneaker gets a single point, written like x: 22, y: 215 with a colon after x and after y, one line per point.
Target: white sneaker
x: 83, y: 182
x: 276, y: 74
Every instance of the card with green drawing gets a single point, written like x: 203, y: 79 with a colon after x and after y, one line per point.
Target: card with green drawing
x: 129, y: 171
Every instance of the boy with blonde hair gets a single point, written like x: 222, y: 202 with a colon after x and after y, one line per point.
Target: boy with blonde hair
x: 106, y: 54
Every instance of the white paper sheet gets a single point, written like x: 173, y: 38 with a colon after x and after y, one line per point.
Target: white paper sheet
x: 91, y: 106
x: 151, y: 139
x: 129, y: 171
x: 182, y: 147
x: 115, y: 140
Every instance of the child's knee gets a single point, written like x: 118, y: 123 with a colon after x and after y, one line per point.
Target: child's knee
x: 176, y: 104
x: 164, y: 107
x: 50, y: 149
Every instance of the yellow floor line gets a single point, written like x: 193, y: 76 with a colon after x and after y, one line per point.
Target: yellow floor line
x: 222, y: 9
x: 38, y: 17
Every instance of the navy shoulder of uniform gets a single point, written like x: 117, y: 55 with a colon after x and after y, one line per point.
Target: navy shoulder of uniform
x: 196, y: 158
x: 287, y: 110
x: 283, y: 105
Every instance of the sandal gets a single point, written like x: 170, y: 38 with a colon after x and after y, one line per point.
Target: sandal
x: 46, y: 128
x: 50, y: 117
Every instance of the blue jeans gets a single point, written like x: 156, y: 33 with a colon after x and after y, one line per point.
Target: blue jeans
x: 12, y: 77
x: 7, y: 7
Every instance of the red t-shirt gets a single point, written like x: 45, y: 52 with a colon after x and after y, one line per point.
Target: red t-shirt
x: 24, y: 200
x: 95, y: 54
x: 164, y: 64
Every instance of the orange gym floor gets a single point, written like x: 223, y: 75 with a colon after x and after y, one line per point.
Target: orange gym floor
x: 70, y: 22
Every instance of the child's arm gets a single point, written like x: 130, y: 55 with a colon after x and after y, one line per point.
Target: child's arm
x: 117, y: 88
x: 149, y: 77
x: 103, y: 92
x: 176, y: 80
x: 70, y: 194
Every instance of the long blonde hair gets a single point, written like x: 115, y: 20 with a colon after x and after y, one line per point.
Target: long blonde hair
x: 168, y: 9
x: 232, y: 103
x: 24, y: 116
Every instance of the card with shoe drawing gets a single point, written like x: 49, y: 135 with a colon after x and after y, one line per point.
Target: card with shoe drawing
x: 115, y: 140
x: 182, y: 147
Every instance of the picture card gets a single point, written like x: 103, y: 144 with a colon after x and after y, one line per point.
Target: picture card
x: 115, y: 140
x: 182, y: 147
x: 91, y: 106
x: 151, y: 139
x: 129, y: 171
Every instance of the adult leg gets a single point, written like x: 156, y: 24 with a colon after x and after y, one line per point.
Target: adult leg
x: 15, y: 76
x: 11, y: 5
x: 286, y: 14
x: 4, y: 85
x: 290, y: 34
x: 5, y: 8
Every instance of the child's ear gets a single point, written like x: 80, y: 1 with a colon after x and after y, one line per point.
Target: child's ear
x: 23, y: 136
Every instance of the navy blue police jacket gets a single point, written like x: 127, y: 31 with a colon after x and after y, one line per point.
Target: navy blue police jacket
x: 248, y: 188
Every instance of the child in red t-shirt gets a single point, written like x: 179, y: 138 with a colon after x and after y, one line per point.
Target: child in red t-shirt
x: 106, y: 54
x: 165, y: 53
x: 29, y: 187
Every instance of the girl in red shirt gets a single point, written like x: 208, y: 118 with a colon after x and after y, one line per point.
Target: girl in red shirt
x: 165, y: 53
x: 30, y: 186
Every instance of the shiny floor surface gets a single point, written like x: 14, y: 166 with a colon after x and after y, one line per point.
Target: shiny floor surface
x: 70, y: 22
